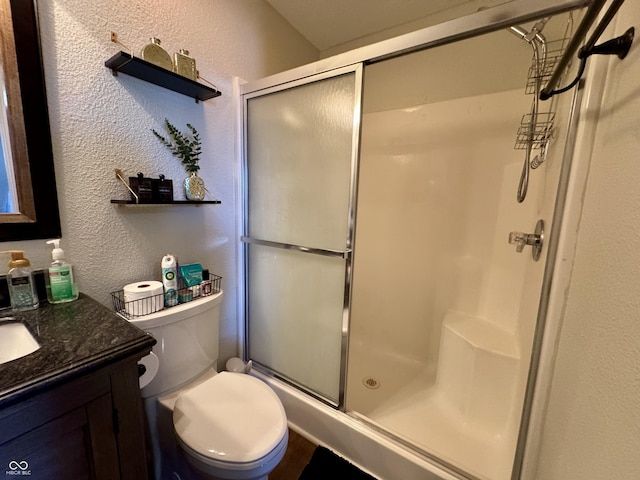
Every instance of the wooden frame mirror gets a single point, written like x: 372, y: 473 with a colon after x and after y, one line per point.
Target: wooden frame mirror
x: 29, y: 137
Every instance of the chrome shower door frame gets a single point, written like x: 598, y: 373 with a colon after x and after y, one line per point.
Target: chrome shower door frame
x: 346, y: 254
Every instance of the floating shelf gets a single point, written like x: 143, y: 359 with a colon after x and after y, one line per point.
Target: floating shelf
x: 164, y: 204
x: 123, y: 62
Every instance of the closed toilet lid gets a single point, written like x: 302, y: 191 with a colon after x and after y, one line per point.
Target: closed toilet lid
x: 231, y: 417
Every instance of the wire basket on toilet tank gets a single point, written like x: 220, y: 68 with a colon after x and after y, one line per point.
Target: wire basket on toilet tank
x: 156, y: 302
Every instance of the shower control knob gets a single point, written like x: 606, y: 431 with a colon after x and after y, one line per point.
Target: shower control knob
x: 520, y: 239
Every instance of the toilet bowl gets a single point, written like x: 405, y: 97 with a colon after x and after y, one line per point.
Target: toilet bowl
x: 248, y: 420
x: 203, y: 424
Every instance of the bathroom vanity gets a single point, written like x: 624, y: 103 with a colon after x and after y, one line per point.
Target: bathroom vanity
x: 72, y: 408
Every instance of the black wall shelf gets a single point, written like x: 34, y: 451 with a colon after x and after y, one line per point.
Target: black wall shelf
x: 164, y: 204
x: 123, y: 62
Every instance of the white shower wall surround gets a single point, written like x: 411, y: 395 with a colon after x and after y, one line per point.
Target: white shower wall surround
x: 443, y: 341
x: 448, y: 342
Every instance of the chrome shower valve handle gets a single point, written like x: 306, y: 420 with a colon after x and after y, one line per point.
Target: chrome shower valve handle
x: 520, y: 239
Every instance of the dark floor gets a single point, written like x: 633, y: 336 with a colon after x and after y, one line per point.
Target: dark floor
x: 295, y: 459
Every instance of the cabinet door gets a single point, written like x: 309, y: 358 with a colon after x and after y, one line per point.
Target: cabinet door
x: 79, y: 444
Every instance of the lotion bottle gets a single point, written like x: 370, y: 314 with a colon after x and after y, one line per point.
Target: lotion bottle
x: 20, y: 282
x: 60, y: 282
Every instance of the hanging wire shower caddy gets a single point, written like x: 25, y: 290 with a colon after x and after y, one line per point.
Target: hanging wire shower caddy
x: 543, y: 71
x: 537, y: 129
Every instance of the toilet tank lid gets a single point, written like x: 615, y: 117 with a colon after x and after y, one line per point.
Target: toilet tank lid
x: 232, y: 417
x: 177, y: 313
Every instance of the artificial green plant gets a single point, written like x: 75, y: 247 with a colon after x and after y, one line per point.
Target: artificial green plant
x: 185, y: 146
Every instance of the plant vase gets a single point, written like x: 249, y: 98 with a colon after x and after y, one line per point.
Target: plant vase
x: 194, y: 187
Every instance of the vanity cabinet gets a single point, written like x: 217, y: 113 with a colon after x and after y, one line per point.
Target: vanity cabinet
x: 91, y: 427
x: 72, y: 408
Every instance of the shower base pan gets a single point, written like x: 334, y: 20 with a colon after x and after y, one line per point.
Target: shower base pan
x: 369, y: 450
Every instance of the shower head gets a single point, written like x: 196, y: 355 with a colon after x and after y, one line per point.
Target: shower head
x: 540, y: 25
x: 536, y: 31
x: 534, y: 34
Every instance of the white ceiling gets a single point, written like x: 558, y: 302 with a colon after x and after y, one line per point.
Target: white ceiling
x: 327, y: 23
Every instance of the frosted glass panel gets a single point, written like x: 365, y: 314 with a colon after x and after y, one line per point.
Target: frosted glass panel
x: 295, y: 307
x: 299, y: 146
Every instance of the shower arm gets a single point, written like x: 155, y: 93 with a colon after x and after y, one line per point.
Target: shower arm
x: 619, y: 46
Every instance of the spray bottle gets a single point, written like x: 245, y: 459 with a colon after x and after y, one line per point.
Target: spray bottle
x: 170, y: 280
x: 22, y: 290
x: 60, y: 282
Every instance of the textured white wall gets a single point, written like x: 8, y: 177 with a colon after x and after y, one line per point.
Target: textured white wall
x: 592, y: 428
x: 100, y: 122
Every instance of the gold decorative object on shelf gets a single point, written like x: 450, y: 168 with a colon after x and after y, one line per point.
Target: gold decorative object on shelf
x: 154, y: 53
x: 185, y: 65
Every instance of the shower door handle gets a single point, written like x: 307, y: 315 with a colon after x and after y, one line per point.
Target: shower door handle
x: 534, y: 239
x: 345, y: 254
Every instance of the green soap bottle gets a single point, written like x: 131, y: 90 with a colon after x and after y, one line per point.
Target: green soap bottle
x: 60, y: 282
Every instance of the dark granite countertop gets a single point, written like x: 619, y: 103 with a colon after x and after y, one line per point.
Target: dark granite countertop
x: 75, y: 338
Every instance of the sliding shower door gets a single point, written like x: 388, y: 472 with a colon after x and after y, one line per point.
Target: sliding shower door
x: 301, y: 144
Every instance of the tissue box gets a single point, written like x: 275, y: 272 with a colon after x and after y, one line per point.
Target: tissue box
x: 191, y: 274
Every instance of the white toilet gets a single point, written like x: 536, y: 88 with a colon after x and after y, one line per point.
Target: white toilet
x: 204, y: 424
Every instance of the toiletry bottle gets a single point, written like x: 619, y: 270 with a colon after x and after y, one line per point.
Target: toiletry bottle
x: 22, y: 290
x: 206, y: 286
x: 170, y: 280
x: 60, y: 282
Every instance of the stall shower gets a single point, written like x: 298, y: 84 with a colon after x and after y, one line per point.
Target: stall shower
x: 390, y: 237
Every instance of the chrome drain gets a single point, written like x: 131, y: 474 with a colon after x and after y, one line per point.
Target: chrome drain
x: 370, y: 382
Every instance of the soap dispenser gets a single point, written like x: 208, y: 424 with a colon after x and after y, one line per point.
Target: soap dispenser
x: 22, y: 291
x: 60, y: 282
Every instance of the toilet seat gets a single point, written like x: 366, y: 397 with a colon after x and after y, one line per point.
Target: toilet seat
x: 231, y: 419
x: 259, y: 468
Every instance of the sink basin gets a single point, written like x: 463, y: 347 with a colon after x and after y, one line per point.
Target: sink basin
x: 15, y: 341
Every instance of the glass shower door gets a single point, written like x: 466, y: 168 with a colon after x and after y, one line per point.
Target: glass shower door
x: 301, y: 144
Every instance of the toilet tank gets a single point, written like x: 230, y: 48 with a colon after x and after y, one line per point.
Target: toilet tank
x: 187, y: 341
